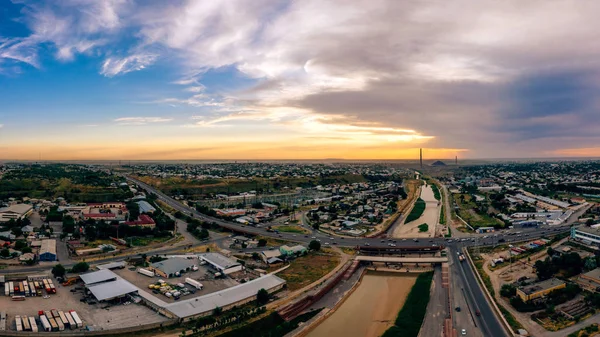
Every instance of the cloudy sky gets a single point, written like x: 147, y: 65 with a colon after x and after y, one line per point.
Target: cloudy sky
x: 274, y: 79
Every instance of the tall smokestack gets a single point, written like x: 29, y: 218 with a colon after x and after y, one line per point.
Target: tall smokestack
x: 421, y: 157
x: 456, y: 160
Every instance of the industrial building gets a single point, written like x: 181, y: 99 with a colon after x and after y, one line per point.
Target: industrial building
x: 540, y: 289
x: 590, y: 281
x: 171, y: 267
x: 15, y: 212
x: 104, y: 285
x: 292, y: 251
x: 587, y: 235
x: 221, y: 263
x: 268, y: 255
x: 145, y: 207
x: 224, y: 299
x: 48, y: 250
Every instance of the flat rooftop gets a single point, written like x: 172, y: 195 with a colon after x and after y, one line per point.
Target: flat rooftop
x: 102, y: 275
x: 219, y: 260
x: 223, y: 298
x: 547, y: 284
x: 593, y: 274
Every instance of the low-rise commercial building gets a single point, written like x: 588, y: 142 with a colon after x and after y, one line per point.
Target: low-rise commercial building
x: 540, y: 289
x: 105, y: 285
x: 171, y: 267
x: 15, y: 212
x: 48, y: 250
x: 590, y: 281
x: 587, y: 235
x: 221, y: 263
x: 293, y: 250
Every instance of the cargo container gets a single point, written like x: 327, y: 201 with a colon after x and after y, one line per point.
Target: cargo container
x: 18, y: 298
x: 38, y: 287
x: 61, y: 326
x: 26, y: 325
x: 145, y: 272
x: 33, y: 324
x: 72, y: 323
x: 76, y: 318
x: 63, y: 318
x: 193, y: 283
x: 2, y: 321
x: 54, y: 313
x: 51, y: 320
x: 52, y: 287
x: 18, y: 323
x: 45, y: 323
x: 47, y: 288
x: 26, y: 288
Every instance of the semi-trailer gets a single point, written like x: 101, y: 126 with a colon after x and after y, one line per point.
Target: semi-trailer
x: 47, y: 286
x: 145, y: 272
x: 57, y: 318
x: 12, y: 288
x: 45, y: 323
x: 194, y: 283
x: 2, y: 321
x: 33, y: 324
x: 38, y: 287
x: 26, y: 325
x: 26, y: 288
x: 72, y: 323
x: 52, y: 287
x: 63, y: 318
x: 18, y: 323
x: 76, y: 318
x: 53, y: 324
x: 6, y: 289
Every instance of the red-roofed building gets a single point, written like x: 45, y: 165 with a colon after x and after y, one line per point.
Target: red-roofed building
x: 143, y: 221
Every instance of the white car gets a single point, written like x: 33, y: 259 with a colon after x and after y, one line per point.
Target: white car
x: 463, y: 332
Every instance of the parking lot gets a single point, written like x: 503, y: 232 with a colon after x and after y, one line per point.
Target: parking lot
x: 99, y: 316
x: 202, y: 275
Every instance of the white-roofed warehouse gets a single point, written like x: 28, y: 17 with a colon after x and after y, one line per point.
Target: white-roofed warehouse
x: 104, y: 285
x: 224, y: 299
x: 221, y: 263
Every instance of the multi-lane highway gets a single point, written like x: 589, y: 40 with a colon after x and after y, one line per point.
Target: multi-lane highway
x: 473, y: 239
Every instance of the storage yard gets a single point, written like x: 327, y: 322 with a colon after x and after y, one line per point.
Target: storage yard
x: 127, y: 297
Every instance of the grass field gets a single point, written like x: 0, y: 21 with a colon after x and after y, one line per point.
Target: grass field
x: 307, y: 269
x: 416, y: 211
x: 443, y: 215
x: 436, y: 192
x: 147, y: 241
x: 468, y: 210
x: 423, y: 227
x: 291, y: 229
x: 409, y: 320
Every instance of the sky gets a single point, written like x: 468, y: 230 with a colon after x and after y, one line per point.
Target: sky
x: 309, y: 79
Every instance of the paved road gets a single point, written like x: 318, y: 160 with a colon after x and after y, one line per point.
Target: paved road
x: 433, y: 325
x: 470, y: 297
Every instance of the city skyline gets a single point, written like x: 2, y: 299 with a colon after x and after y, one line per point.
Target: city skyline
x: 185, y: 80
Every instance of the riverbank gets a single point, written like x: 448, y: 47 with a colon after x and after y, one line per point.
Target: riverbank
x: 370, y: 309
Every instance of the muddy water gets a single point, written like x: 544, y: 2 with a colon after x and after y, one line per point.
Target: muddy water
x: 370, y: 309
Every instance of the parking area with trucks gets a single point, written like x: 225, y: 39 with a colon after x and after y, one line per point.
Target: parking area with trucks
x: 186, y: 290
x: 97, y: 316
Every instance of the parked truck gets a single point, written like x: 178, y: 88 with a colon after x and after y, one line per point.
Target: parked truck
x: 52, y: 321
x: 26, y: 325
x: 52, y: 287
x: 45, y: 323
x: 76, y: 318
x: 3, y: 321
x: 63, y: 318
x: 72, y: 324
x: 194, y: 283
x: 33, y: 324
x: 145, y: 272
x: 6, y: 289
x: 18, y: 323
x: 461, y: 257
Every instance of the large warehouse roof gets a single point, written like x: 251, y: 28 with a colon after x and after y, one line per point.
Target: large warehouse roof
x: 98, y: 276
x: 109, y: 290
x: 223, y: 298
x: 173, y: 265
x: 219, y: 260
x: 48, y: 246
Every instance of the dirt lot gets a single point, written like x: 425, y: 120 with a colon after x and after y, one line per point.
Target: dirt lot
x: 202, y: 275
x: 92, y: 315
x: 307, y: 269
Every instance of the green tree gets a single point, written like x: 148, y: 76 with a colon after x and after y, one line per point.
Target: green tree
x: 203, y: 234
x: 508, y: 290
x: 262, y: 296
x: 262, y: 242
x: 590, y: 263
x: 80, y: 267
x: 314, y: 245
x: 58, y: 270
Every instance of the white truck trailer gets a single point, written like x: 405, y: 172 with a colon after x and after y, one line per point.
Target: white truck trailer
x: 145, y: 272
x: 194, y: 283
